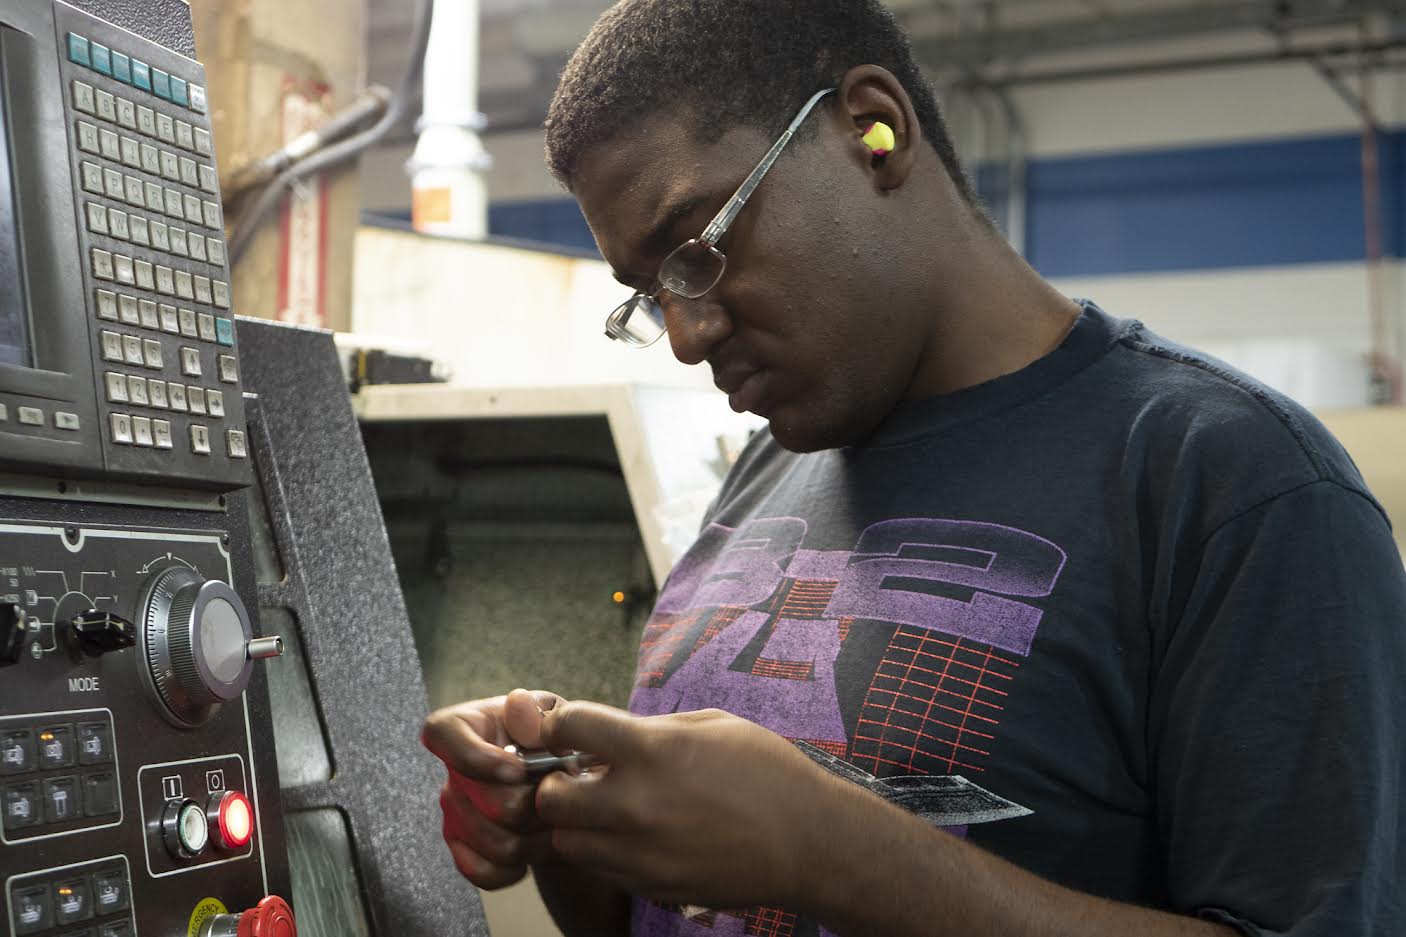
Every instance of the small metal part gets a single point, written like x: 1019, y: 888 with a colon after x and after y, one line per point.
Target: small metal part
x: 264, y: 648
x: 540, y: 763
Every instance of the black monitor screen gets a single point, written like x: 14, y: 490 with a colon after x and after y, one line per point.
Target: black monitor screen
x: 14, y: 316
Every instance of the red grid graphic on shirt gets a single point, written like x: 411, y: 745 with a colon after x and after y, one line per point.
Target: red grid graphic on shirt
x: 932, y: 707
x: 770, y: 922
x: 663, y: 635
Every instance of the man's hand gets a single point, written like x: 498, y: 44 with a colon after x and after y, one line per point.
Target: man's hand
x: 694, y: 808
x: 490, y: 823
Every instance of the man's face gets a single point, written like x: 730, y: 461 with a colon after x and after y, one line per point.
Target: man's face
x: 808, y: 326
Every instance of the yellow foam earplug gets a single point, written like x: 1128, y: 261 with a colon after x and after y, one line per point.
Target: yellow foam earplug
x: 880, y: 139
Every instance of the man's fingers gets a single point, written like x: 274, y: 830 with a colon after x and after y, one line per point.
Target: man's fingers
x: 523, y: 711
x: 464, y: 737
x: 603, y: 853
x: 586, y: 801
x: 610, y: 734
x: 510, y: 806
x: 480, y: 871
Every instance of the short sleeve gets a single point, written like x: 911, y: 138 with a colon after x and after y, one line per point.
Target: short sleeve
x: 1277, y: 723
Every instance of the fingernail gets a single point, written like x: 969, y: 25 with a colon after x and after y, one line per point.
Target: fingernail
x: 509, y: 774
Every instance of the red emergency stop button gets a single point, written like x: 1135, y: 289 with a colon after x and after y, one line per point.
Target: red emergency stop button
x: 232, y: 819
x: 272, y: 918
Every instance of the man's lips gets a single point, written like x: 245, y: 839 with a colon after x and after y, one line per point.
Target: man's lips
x: 746, y: 393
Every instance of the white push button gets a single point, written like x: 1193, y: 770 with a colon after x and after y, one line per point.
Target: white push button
x: 199, y: 439
x: 31, y: 416
x: 116, y: 387
x: 238, y: 446
x: 122, y: 429
x: 161, y: 433
x: 141, y: 431
x: 156, y: 391
x: 190, y: 362
x: 67, y: 421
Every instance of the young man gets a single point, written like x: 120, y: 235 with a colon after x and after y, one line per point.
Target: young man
x: 1019, y: 620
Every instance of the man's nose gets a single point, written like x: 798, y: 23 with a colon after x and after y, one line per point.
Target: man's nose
x: 695, y: 326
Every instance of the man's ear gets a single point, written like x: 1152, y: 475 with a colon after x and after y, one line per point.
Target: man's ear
x: 869, y: 94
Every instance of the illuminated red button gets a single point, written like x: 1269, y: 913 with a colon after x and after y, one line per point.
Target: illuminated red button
x: 232, y: 816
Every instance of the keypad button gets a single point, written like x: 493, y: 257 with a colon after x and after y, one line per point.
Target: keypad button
x: 156, y: 392
x: 111, y: 346
x: 179, y: 246
x: 141, y: 431
x: 202, y: 294
x: 197, y: 98
x: 197, y: 247
x: 141, y: 74
x: 165, y: 281
x: 221, y: 293
x: 215, y: 402
x: 107, y: 305
x: 193, y: 209
x: 78, y: 52
x: 136, y: 391
x: 184, y: 286
x: 124, y: 270
x: 117, y: 223
x: 170, y: 166
x: 203, y: 144
x: 110, y: 144
x: 83, y: 99
x: 217, y: 251
x: 160, y: 236
x: 31, y: 416
x: 111, y: 891
x: 97, y: 218
x: 87, y: 137
x: 106, y: 105
x: 179, y: 91
x: 229, y: 369
x: 145, y: 278
x: 177, y: 394
x: 152, y: 349
x: 93, y: 178
x: 127, y: 113
x: 165, y: 128
x: 151, y: 159
x: 189, y: 174
x: 102, y: 264
x: 131, y: 153
x: 138, y: 227
x: 185, y: 136
x: 94, y: 743
x: 146, y: 120
x: 116, y: 387
x: 4, y: 413
x: 205, y: 320
x: 211, y: 214
x: 73, y: 900
x: 196, y: 397
x: 115, y: 929
x: 56, y: 747
x: 121, y: 429
x: 132, y: 350
x: 190, y: 362
x: 101, y: 58
x: 155, y: 197
x: 161, y: 433
x: 122, y: 68
x: 61, y: 799
x: 170, y: 322
x: 66, y: 421
x: 22, y: 808
x: 34, y: 907
x: 188, y: 327
x: 129, y: 309
x: 237, y: 444
x: 209, y: 179
x: 199, y: 439
x: 175, y: 207
x: 113, y: 184
x: 160, y: 83
x: 135, y: 192
x: 224, y: 331
x: 149, y: 318
x: 17, y: 751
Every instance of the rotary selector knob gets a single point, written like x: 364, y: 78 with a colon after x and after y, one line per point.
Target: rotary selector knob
x: 199, y: 643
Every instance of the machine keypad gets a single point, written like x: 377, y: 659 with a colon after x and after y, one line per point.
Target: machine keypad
x: 57, y: 774
x: 95, y: 895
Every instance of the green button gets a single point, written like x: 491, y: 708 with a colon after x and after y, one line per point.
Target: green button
x: 102, y: 59
x: 121, y: 68
x: 224, y: 331
x: 178, y: 91
x: 78, y: 50
x: 160, y: 84
x: 141, y: 75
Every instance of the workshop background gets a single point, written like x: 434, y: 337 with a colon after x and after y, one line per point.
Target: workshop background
x: 1228, y: 171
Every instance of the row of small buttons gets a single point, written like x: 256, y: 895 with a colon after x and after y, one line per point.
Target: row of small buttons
x: 73, y: 898
x: 161, y: 279
x: 161, y: 395
x: 147, y: 313
x: 137, y: 155
x: 149, y: 195
x: 34, y: 416
x: 117, y: 110
x: 58, y: 747
x: 64, y: 800
x: 146, y: 353
x: 130, y: 430
x: 125, y: 226
x: 90, y: 54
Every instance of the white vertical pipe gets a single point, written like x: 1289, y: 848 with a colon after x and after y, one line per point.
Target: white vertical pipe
x: 450, y: 196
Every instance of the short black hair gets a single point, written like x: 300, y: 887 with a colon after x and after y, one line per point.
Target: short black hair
x: 728, y: 63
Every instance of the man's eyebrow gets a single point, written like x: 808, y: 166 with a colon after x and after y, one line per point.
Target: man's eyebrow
x: 670, y: 217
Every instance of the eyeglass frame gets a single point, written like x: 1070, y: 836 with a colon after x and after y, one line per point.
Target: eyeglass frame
x: 717, y: 228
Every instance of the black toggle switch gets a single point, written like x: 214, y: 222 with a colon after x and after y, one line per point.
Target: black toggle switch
x: 14, y: 626
x: 96, y: 633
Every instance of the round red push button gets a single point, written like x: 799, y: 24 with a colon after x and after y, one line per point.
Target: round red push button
x: 272, y: 918
x: 232, y: 817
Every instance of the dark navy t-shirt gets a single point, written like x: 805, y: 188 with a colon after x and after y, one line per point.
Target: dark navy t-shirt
x: 1144, y: 607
